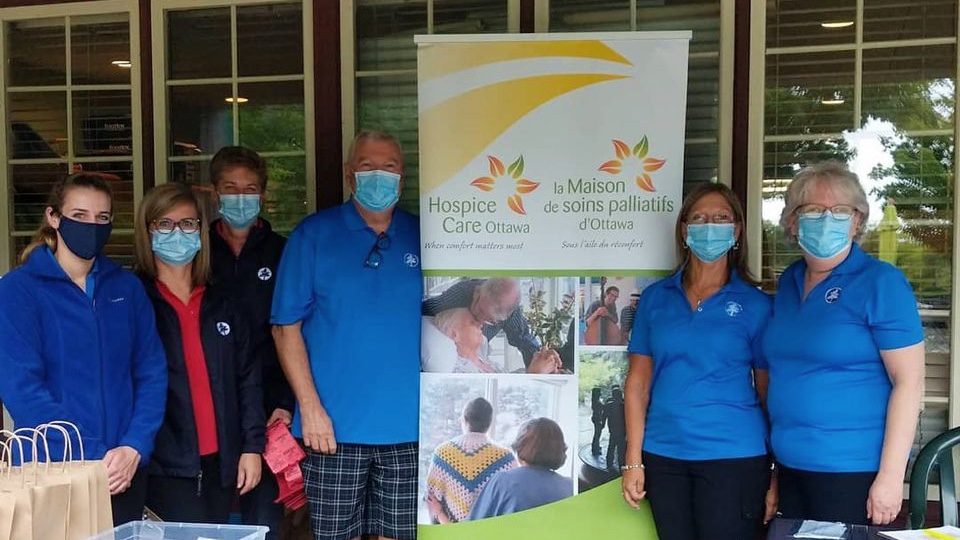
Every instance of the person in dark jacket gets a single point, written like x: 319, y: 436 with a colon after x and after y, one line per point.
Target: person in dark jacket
x: 79, y: 342
x: 244, y: 255
x: 213, y: 431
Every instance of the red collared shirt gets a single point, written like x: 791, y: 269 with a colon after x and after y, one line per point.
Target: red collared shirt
x: 203, y: 414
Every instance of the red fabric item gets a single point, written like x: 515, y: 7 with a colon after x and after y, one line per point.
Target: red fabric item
x: 203, y: 414
x: 283, y: 456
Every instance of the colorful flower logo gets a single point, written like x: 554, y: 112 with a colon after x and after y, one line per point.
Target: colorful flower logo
x: 647, y: 164
x: 513, y: 173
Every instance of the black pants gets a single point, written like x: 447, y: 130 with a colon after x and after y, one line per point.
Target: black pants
x: 824, y: 496
x: 128, y: 506
x: 721, y: 499
x: 191, y: 500
x: 257, y: 506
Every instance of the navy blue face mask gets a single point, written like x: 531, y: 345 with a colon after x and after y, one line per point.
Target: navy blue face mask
x: 85, y: 240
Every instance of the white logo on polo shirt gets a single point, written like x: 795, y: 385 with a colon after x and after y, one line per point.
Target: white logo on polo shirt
x: 733, y: 309
x: 223, y: 328
x: 832, y: 295
x: 411, y: 260
x: 264, y: 274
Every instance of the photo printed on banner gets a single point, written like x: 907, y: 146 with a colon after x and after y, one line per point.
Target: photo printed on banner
x: 499, y: 325
x: 492, y: 445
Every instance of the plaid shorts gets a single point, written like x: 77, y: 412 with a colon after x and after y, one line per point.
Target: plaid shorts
x: 362, y: 489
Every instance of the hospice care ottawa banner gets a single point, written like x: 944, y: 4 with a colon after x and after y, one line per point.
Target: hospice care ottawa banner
x: 550, y: 181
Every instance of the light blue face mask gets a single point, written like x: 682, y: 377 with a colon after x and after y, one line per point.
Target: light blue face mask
x: 240, y: 211
x: 710, y: 241
x: 823, y: 237
x: 377, y: 190
x: 175, y: 248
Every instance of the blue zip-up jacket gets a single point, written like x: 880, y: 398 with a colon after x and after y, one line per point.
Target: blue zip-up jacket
x: 97, y: 362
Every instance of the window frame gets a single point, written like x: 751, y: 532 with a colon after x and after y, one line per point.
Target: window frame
x: 68, y: 10
x: 161, y: 84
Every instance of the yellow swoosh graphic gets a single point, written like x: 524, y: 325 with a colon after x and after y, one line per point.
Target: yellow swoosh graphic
x: 437, y: 61
x: 459, y: 128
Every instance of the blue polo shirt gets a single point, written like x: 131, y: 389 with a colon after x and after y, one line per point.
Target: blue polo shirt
x: 828, y: 385
x: 702, y: 401
x: 361, y: 325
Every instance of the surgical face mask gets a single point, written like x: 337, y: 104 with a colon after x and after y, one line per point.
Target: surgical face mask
x: 240, y: 211
x: 175, y: 248
x: 710, y: 241
x: 824, y: 237
x: 377, y: 190
x: 85, y: 240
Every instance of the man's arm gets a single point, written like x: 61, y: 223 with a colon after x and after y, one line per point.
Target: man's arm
x: 519, y: 335
x: 458, y: 295
x: 316, y: 426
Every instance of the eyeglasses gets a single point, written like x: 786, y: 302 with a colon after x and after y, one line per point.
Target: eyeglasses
x: 719, y: 217
x: 374, y: 257
x: 166, y: 226
x: 842, y: 212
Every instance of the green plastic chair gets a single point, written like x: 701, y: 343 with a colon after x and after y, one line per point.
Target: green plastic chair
x: 938, y: 453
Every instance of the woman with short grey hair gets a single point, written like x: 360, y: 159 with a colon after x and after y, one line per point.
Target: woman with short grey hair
x: 845, y: 350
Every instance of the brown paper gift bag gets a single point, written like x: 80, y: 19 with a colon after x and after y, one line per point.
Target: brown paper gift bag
x: 7, y: 502
x: 41, y: 502
x: 82, y: 515
x: 97, y: 504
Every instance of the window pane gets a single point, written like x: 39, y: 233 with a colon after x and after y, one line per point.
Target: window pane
x: 38, y: 123
x: 910, y: 86
x: 201, y: 120
x: 699, y: 164
x: 120, y: 177
x: 702, y: 93
x: 37, y: 52
x: 800, y: 23
x: 270, y: 40
x: 102, y: 123
x: 702, y: 18
x: 198, y: 43
x: 888, y: 20
x: 589, y: 15
x: 120, y: 248
x: 192, y: 173
x: 31, y: 185
x: 385, y: 34
x: 469, y: 16
x: 285, y: 203
x: 809, y: 93
x: 98, y: 43
x: 272, y: 119
x: 390, y: 104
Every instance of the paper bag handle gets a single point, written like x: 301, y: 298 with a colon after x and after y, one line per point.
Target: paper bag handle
x: 67, y: 444
x: 76, y: 430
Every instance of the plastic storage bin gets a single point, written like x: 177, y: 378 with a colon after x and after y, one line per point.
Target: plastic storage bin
x: 156, y: 530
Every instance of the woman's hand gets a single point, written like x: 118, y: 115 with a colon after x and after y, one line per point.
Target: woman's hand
x: 771, y: 500
x: 121, y: 463
x: 248, y: 472
x: 884, y: 500
x: 633, y: 488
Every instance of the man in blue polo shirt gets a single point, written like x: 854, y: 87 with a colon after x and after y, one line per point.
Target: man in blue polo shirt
x: 347, y: 326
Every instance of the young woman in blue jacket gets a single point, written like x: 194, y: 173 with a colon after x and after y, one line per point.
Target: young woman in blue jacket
x: 79, y: 341
x: 212, y: 435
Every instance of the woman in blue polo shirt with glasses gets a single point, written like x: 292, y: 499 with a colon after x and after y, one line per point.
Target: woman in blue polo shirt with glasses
x: 845, y: 349
x: 696, y: 431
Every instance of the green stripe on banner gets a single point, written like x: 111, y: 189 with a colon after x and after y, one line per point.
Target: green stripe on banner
x: 598, y: 513
x: 545, y: 273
